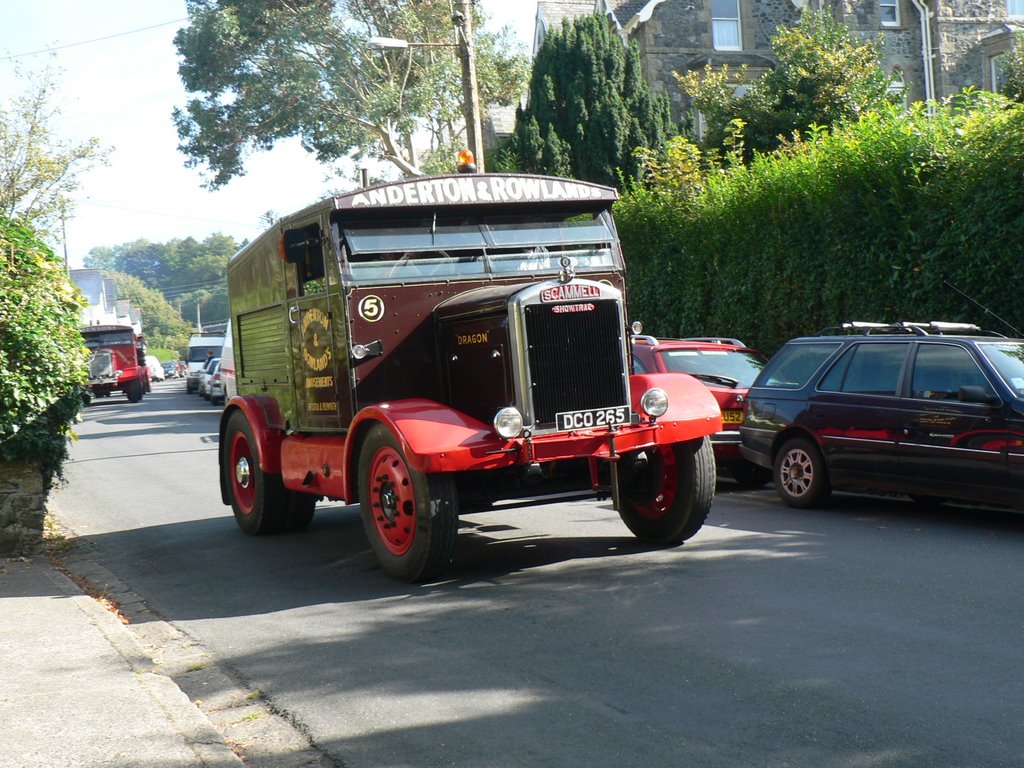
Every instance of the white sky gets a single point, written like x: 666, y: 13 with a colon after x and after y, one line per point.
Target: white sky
x: 122, y: 90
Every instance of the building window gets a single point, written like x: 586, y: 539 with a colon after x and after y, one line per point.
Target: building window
x: 1015, y: 9
x: 890, y: 11
x: 725, y: 24
x: 898, y: 87
x: 996, y: 73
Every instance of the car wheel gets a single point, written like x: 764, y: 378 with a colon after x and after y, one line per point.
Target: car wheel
x: 411, y: 519
x: 666, y: 492
x: 801, y: 479
x: 750, y: 476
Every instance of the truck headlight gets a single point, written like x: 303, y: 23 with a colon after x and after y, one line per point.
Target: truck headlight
x: 654, y: 402
x: 508, y: 422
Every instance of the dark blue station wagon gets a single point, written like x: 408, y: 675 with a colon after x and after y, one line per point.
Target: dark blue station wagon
x: 931, y: 410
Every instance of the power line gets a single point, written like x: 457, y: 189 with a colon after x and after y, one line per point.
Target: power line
x: 89, y: 42
x: 163, y: 214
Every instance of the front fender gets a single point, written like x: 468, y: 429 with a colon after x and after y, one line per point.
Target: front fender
x: 692, y: 409
x: 434, y: 437
x: 261, y: 412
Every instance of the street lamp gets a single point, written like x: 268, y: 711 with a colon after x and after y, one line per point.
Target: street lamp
x: 463, y: 20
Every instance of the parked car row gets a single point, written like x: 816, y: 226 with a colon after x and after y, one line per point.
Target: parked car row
x: 209, y: 384
x: 934, y: 411
x: 174, y: 369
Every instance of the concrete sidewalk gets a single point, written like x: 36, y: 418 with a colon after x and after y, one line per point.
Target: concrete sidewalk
x: 78, y: 690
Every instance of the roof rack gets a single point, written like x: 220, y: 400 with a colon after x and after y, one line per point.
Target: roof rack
x: 715, y: 340
x: 930, y: 328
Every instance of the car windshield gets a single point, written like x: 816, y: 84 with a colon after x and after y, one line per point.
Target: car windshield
x: 477, y: 245
x: 730, y: 367
x: 1007, y: 357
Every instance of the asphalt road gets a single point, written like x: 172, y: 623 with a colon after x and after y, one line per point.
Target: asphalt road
x: 874, y: 633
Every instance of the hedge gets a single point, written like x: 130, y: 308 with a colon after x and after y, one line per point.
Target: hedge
x: 873, y: 221
x: 42, y: 358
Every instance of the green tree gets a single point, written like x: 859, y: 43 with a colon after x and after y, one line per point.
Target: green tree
x: 823, y: 77
x: 589, y: 106
x: 191, y: 274
x: 162, y: 324
x: 39, y: 172
x: 1011, y: 65
x: 266, y: 70
x: 42, y: 358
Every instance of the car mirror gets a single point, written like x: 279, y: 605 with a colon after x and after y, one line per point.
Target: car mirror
x: 975, y: 394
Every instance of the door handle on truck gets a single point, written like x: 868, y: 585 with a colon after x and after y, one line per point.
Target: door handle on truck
x: 293, y: 319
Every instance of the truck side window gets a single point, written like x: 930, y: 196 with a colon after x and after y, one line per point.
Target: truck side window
x: 304, y: 248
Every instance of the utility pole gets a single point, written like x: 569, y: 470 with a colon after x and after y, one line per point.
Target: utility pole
x: 463, y: 20
x: 64, y: 236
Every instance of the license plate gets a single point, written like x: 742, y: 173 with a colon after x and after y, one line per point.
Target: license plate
x: 732, y: 417
x: 599, y: 417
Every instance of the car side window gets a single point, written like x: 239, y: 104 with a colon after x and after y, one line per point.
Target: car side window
x: 941, y: 369
x: 867, y: 369
x: 794, y: 364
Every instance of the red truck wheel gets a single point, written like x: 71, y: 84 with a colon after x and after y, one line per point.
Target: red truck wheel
x: 411, y: 519
x: 259, y: 499
x: 665, y: 498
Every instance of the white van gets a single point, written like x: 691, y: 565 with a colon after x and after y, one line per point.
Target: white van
x: 200, y: 349
x: 227, y: 365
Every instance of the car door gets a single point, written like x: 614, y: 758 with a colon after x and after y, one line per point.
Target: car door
x: 955, y: 428
x: 855, y: 414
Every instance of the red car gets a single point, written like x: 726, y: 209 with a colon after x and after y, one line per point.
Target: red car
x: 728, y: 368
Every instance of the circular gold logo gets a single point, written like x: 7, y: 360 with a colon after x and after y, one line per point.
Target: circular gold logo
x: 316, y: 337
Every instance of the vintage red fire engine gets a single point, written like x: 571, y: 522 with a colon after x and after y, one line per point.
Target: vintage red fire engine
x: 434, y: 345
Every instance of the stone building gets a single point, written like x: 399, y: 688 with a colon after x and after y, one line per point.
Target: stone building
x: 933, y: 48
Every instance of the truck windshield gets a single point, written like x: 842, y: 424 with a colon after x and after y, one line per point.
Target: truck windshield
x: 107, y: 339
x: 202, y: 354
x: 444, y: 247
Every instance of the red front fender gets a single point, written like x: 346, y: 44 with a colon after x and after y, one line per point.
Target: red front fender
x: 264, y: 416
x: 689, y: 401
x: 434, y: 437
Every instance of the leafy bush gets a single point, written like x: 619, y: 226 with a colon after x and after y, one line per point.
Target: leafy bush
x: 42, y: 359
x: 871, y: 222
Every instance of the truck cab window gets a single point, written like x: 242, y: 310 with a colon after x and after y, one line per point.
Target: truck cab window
x: 304, y: 248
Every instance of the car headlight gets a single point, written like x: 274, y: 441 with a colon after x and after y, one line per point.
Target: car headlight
x: 654, y: 402
x: 508, y: 422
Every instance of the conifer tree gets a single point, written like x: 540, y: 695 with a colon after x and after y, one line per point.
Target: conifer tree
x: 589, y: 106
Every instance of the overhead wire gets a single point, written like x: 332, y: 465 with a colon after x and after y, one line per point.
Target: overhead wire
x: 89, y: 42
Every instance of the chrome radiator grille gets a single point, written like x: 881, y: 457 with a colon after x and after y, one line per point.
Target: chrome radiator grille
x: 101, y: 365
x: 575, y: 358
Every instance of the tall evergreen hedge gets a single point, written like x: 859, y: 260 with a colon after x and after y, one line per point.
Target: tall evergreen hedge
x: 869, y: 222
